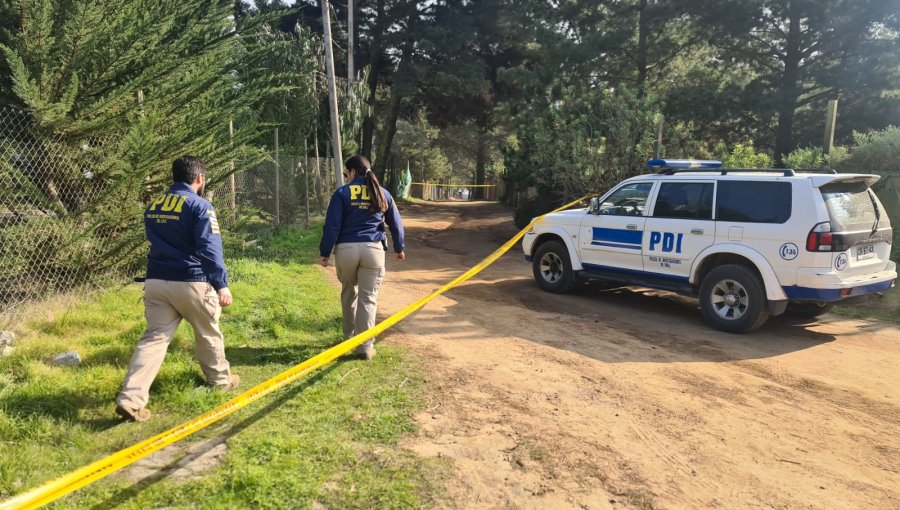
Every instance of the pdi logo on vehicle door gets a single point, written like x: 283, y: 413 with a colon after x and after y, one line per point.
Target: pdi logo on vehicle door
x: 670, y: 242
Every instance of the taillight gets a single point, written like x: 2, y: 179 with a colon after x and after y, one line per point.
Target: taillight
x: 819, y: 238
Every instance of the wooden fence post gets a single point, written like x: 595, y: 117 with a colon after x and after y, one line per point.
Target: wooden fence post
x: 277, y: 182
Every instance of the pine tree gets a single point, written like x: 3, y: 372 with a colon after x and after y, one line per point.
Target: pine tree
x: 78, y: 69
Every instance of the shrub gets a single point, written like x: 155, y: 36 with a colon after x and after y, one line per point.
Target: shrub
x: 744, y: 156
x: 876, y: 152
x: 815, y: 157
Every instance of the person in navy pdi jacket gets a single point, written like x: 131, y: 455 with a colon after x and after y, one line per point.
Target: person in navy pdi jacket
x: 355, y: 230
x: 186, y: 278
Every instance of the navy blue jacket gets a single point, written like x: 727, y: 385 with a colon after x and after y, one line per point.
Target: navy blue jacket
x: 185, y: 243
x: 349, y: 219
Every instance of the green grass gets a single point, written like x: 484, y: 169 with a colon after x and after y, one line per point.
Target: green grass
x: 331, y: 438
x: 885, y: 309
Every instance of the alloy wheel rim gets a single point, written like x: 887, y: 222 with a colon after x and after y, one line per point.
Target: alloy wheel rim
x: 729, y: 299
x: 551, y: 267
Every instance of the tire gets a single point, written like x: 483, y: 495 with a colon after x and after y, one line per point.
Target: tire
x: 733, y: 299
x: 807, y: 310
x: 552, y: 268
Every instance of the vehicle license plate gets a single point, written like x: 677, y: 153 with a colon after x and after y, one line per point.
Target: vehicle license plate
x: 865, y: 252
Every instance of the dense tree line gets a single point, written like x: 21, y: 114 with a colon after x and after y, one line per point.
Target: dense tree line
x: 544, y: 89
x: 558, y: 94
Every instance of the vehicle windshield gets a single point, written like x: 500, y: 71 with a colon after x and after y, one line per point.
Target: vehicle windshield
x: 851, y: 206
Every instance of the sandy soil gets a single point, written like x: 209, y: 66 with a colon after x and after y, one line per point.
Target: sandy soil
x: 624, y: 398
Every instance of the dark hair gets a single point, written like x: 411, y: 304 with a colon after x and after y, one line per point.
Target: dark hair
x: 187, y: 168
x: 362, y: 167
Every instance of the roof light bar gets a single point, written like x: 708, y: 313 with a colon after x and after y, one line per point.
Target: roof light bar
x: 683, y: 163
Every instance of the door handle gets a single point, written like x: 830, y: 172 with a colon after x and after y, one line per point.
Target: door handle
x: 631, y: 227
x: 696, y: 231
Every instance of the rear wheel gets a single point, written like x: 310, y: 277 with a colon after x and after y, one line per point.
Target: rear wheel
x: 552, y: 268
x: 733, y: 299
x: 807, y: 310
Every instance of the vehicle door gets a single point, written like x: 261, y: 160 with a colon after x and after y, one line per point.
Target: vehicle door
x: 611, y: 236
x: 680, y: 226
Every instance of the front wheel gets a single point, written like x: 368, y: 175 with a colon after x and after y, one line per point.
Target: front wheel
x: 733, y: 299
x: 552, y: 268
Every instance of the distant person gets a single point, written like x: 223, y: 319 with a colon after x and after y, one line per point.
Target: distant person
x: 186, y: 279
x: 355, y: 230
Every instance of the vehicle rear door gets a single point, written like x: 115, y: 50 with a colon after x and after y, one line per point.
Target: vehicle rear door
x: 680, y: 226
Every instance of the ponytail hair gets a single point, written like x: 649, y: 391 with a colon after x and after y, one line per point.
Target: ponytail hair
x: 362, y: 167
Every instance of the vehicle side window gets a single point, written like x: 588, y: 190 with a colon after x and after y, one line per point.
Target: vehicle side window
x: 684, y: 200
x: 629, y: 200
x: 753, y: 201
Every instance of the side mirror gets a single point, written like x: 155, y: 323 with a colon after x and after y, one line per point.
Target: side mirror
x: 595, y: 206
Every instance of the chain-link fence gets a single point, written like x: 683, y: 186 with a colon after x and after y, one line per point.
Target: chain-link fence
x: 59, y: 231
x: 453, y: 192
x: 48, y: 186
x: 53, y: 203
x: 288, y: 190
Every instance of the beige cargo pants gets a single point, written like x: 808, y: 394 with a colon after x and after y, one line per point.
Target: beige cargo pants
x: 165, y: 304
x: 360, y: 269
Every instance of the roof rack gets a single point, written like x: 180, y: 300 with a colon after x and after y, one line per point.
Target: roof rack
x: 816, y: 170
x: 725, y: 171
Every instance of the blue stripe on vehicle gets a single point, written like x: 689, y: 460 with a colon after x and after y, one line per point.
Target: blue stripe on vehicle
x: 812, y: 294
x: 617, y: 245
x: 528, y: 258
x: 680, y: 279
x: 617, y: 235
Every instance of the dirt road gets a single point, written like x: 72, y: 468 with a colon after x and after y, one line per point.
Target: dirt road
x: 624, y: 398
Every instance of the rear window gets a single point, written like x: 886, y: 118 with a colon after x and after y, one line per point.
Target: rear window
x: 753, y: 201
x: 850, y: 206
x: 684, y: 200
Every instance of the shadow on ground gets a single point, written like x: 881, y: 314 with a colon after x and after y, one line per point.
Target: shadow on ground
x: 124, y: 495
x: 622, y: 324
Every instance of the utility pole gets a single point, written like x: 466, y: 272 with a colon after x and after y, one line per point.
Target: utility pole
x: 351, y: 73
x: 332, y: 94
x: 830, y: 121
x: 660, y: 120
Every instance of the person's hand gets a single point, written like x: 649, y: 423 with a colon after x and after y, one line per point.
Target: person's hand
x: 323, y: 261
x: 225, y: 297
x: 401, y: 256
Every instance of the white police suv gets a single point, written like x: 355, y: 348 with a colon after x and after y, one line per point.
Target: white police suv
x: 749, y: 244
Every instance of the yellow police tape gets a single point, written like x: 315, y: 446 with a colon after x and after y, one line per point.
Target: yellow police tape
x: 455, y: 185
x: 73, y: 481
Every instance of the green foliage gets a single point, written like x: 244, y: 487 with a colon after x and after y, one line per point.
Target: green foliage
x: 582, y: 145
x: 777, y: 62
x: 743, y: 155
x: 294, y: 59
x: 329, y: 438
x: 722, y: 71
x: 876, y: 152
x: 815, y: 157
x: 91, y: 152
x: 415, y: 143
